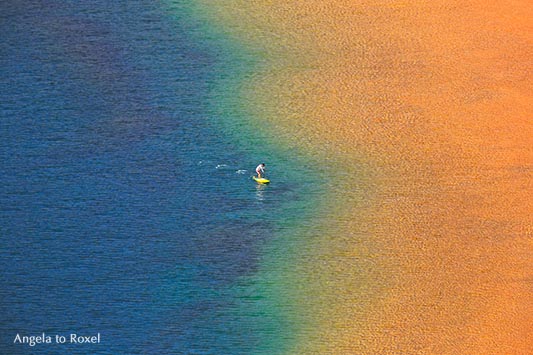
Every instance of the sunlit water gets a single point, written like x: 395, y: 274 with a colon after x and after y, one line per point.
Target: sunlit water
x: 125, y: 209
x: 421, y: 111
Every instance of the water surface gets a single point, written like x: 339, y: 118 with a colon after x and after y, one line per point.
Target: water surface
x: 126, y: 209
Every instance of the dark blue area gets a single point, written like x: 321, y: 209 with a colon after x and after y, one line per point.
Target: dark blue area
x: 114, y: 217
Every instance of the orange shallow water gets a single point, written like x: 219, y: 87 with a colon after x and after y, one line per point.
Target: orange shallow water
x: 423, y: 111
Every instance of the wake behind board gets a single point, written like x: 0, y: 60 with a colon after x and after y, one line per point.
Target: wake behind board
x: 261, y: 180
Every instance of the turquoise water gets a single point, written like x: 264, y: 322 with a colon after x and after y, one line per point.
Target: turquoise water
x: 126, y: 199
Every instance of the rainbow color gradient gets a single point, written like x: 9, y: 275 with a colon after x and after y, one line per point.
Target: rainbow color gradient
x: 420, y: 113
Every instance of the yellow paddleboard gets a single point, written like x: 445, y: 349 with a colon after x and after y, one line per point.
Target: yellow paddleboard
x: 261, y: 181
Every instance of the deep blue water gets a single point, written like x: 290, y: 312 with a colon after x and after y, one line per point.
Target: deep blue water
x: 122, y: 208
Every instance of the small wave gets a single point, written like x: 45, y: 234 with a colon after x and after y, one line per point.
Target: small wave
x: 221, y: 166
x: 241, y: 171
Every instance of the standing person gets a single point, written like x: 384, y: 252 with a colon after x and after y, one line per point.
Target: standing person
x: 260, y: 170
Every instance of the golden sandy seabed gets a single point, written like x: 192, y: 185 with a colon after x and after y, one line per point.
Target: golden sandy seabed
x: 428, y: 106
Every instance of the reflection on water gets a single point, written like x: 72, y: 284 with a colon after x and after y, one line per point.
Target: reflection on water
x: 260, y: 192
